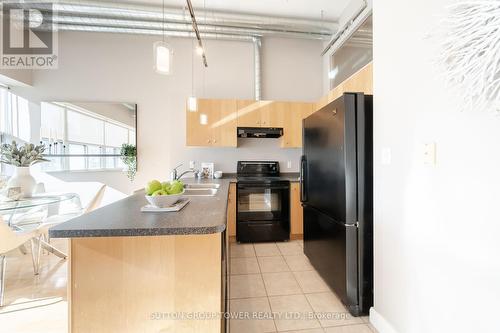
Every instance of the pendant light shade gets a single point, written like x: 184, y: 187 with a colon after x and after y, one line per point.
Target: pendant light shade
x: 192, y: 104
x: 163, y: 58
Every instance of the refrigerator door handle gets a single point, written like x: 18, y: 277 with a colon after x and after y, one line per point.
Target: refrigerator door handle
x: 303, y: 176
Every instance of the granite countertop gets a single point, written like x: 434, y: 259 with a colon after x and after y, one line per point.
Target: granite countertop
x: 202, y: 215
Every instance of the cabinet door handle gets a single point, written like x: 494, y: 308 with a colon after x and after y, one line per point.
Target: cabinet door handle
x: 215, y: 141
x: 208, y: 141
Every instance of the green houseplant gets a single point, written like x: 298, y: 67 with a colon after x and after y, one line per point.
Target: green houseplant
x: 129, y: 157
x: 22, y: 157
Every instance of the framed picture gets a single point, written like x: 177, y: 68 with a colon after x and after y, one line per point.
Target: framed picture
x: 207, y: 170
x: 14, y: 193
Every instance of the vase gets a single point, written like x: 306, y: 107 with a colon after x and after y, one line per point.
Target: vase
x: 22, y: 178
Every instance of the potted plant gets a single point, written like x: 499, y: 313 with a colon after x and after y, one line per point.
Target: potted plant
x: 129, y: 157
x: 22, y: 158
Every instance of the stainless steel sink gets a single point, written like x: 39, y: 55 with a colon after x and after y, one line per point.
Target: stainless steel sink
x: 201, y: 190
x: 202, y: 186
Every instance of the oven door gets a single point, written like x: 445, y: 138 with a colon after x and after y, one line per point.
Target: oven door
x: 263, y: 212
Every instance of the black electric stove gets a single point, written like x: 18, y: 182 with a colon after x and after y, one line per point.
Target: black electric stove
x: 263, y: 203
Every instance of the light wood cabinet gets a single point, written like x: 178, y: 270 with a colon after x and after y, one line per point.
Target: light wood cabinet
x: 292, y: 135
x: 231, y: 210
x: 361, y: 81
x: 296, y: 213
x: 116, y: 283
x: 272, y: 114
x: 213, y: 124
x: 261, y: 113
x: 248, y: 113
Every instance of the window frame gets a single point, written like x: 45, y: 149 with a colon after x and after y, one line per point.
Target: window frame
x: 62, y: 152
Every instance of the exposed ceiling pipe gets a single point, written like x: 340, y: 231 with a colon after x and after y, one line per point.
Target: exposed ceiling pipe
x: 187, y: 34
x: 343, y: 33
x: 83, y: 13
x: 257, y: 44
x: 172, y: 26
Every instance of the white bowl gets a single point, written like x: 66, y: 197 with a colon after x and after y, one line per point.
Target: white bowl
x: 162, y: 201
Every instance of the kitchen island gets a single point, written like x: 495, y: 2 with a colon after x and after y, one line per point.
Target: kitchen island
x: 148, y: 272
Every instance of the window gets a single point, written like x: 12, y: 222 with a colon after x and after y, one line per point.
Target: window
x: 83, y: 128
x: 76, y: 162
x: 14, y: 116
x: 115, y: 135
x: 52, y: 121
x: 94, y: 162
x: 68, y: 130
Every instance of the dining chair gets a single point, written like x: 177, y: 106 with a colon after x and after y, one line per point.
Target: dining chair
x: 11, y: 240
x: 51, y: 221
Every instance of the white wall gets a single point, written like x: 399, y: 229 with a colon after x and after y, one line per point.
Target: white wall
x: 113, y: 67
x: 16, y: 77
x: 437, y: 254
x: 292, y: 69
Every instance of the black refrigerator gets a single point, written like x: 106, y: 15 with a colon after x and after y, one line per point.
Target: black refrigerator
x: 337, y: 197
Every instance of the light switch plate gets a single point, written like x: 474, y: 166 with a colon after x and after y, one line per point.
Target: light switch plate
x: 289, y: 164
x: 386, y: 156
x: 429, y: 154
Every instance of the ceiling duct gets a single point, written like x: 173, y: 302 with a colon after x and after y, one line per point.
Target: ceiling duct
x: 257, y: 44
x: 125, y: 18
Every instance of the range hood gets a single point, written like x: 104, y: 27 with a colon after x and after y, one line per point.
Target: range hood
x: 259, y: 132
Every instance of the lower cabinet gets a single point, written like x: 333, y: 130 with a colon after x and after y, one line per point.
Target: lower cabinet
x: 296, y: 214
x: 231, y: 211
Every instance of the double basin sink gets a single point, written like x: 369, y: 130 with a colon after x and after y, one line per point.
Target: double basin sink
x: 201, y: 190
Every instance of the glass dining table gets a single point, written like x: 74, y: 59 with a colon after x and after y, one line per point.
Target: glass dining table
x: 13, y: 212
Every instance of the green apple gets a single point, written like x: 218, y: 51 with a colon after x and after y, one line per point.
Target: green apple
x: 176, y: 188
x: 152, y: 186
x: 158, y: 192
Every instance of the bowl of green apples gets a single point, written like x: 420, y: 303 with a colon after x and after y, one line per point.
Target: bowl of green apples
x: 164, y: 194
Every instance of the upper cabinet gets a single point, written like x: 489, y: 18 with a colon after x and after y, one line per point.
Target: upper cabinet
x: 248, y: 113
x: 292, y: 135
x: 261, y: 113
x: 212, y: 124
x: 215, y: 122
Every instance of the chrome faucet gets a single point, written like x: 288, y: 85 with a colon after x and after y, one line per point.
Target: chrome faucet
x: 174, y: 176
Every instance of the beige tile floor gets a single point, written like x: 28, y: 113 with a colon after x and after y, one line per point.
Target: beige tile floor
x: 274, y: 288
x: 266, y: 278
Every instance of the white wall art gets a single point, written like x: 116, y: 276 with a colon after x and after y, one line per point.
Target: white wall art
x: 471, y: 52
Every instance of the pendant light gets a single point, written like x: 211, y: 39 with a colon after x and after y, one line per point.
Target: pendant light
x: 162, y: 51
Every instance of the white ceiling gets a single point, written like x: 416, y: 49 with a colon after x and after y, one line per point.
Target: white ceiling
x: 307, y: 9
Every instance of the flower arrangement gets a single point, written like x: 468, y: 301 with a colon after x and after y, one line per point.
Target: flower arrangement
x: 129, y: 157
x: 21, y: 156
x: 470, y: 51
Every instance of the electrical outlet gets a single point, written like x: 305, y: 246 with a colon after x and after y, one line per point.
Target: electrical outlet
x: 192, y: 164
x: 289, y: 164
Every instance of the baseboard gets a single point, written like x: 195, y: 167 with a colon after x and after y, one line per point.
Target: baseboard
x: 380, y: 323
